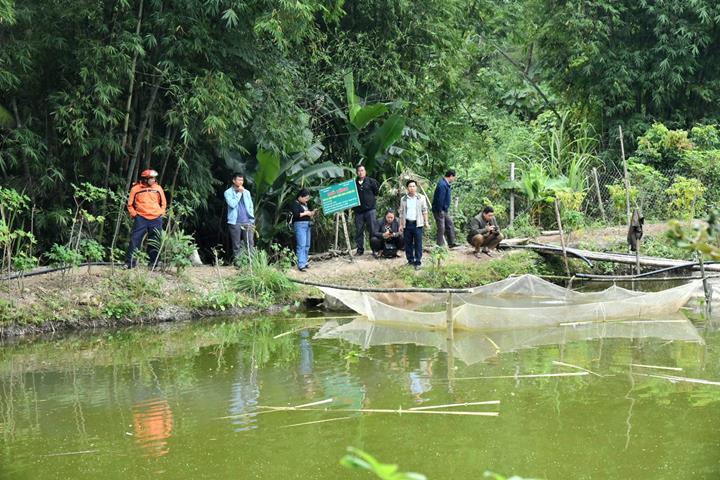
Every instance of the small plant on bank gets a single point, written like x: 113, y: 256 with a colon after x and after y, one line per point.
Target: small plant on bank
x: 63, y: 257
x: 262, y: 280
x: 438, y: 255
x: 92, y: 251
x: 174, y: 249
x: 522, y: 227
x: 12, y: 238
x: 283, y: 257
x: 23, y: 263
x: 219, y: 300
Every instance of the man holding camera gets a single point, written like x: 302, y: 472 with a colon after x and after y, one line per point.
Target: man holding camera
x: 484, y: 232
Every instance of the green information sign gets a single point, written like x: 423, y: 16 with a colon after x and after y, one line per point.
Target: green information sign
x: 339, y: 197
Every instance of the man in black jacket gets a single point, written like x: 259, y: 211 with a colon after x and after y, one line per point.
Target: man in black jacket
x: 365, y: 212
x: 387, y: 239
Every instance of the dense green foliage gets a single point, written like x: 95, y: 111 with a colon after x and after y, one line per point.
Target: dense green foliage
x: 296, y: 93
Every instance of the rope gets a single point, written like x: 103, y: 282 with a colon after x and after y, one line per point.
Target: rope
x: 383, y: 290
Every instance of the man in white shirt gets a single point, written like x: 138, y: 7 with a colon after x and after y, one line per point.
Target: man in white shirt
x: 413, y: 218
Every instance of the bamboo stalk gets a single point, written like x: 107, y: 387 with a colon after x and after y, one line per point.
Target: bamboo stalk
x: 70, y: 453
x: 317, y: 421
x: 625, y: 174
x: 673, y: 378
x: 512, y: 194
x: 599, y: 195
x: 534, y: 375
x: 320, y: 402
x: 570, y: 365
x: 640, y: 365
x: 466, y: 404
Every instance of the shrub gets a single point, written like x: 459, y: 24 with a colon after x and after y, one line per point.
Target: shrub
x: 219, y: 300
x: 175, y: 249
x: 686, y: 196
x: 63, y: 257
x: 262, y: 281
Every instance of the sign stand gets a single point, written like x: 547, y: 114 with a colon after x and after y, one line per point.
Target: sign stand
x: 337, y: 199
x: 347, y: 237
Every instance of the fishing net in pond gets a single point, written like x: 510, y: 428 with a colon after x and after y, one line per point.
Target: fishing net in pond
x: 526, y: 301
x: 474, y: 347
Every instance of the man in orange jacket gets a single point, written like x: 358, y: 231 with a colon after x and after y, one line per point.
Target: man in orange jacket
x: 146, y: 205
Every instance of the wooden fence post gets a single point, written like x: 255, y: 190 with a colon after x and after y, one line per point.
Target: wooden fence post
x: 625, y: 173
x: 512, y: 194
x: 562, y: 237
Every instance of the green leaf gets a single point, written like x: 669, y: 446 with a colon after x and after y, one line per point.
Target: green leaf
x: 367, y: 114
x: 382, y: 138
x: 6, y: 120
x: 268, y: 169
x: 352, y: 99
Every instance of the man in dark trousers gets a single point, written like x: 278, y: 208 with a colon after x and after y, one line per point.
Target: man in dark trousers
x: 365, y: 212
x: 387, y: 238
x: 440, y: 207
x: 484, y: 232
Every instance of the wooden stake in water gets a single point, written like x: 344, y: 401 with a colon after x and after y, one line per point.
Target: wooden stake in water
x: 512, y: 194
x: 449, y: 317
x: 347, y: 237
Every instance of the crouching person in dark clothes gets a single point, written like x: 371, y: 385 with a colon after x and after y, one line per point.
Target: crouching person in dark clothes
x: 484, y: 232
x: 386, y: 239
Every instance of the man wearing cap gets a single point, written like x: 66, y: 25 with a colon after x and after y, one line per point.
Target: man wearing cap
x: 240, y: 216
x: 146, y: 205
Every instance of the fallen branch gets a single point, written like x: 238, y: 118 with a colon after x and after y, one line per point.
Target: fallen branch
x: 381, y: 410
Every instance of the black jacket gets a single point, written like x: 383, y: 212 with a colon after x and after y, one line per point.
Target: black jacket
x: 367, y: 193
x: 297, y: 208
x: 394, y: 228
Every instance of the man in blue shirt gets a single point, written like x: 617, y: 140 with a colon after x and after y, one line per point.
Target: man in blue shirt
x: 241, y: 216
x: 440, y: 207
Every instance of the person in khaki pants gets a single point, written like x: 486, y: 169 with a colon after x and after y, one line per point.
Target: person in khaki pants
x: 484, y: 232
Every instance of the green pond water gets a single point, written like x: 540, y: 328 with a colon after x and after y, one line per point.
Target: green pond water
x: 185, y: 401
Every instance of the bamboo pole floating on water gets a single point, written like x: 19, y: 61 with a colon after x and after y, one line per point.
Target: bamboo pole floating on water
x: 570, y: 365
x: 673, y: 378
x: 449, y: 318
x: 384, y: 410
x: 657, y: 367
x: 317, y: 421
x: 532, y: 375
x: 467, y: 404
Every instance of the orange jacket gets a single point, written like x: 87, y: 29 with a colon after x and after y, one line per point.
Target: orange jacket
x: 147, y: 201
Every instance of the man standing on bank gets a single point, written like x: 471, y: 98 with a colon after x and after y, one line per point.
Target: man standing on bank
x: 302, y: 226
x: 365, y: 212
x: 440, y: 207
x: 146, y: 205
x: 413, y: 217
x: 484, y: 232
x: 240, y: 216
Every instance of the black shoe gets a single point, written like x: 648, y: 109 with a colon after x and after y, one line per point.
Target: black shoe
x: 302, y: 269
x: 376, y: 255
x: 359, y: 253
x: 454, y: 245
x: 417, y: 267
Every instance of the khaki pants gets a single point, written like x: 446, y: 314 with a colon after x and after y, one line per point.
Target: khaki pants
x: 489, y: 241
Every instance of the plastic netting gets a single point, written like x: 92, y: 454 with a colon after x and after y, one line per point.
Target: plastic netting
x: 473, y: 347
x: 517, y: 302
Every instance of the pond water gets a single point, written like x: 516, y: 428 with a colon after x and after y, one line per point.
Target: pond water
x: 187, y: 401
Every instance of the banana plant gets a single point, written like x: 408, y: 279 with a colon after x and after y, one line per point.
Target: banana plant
x: 275, y: 178
x: 375, y: 146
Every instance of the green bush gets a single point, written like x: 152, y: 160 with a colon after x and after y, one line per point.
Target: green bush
x: 522, y: 227
x: 686, y: 197
x: 262, y: 280
x: 63, y: 257
x: 175, y: 249
x: 219, y: 300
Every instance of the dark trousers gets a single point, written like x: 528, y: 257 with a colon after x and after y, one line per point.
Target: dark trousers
x: 242, y: 239
x: 445, y: 226
x: 413, y: 236
x: 380, y: 244
x: 141, y: 227
x: 363, y: 220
